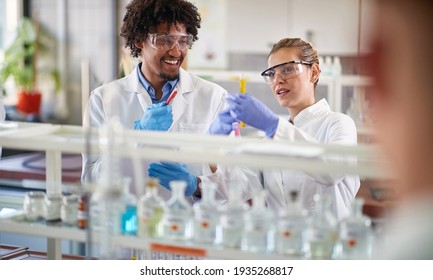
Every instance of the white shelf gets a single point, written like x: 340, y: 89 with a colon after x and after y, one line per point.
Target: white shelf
x: 193, y: 148
x: 17, y: 224
x: 148, y: 145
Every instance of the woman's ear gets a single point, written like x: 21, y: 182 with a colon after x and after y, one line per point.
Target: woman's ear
x: 315, y: 72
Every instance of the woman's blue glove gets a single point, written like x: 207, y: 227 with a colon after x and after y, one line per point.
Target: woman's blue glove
x: 170, y: 171
x: 246, y: 108
x: 156, y: 117
x: 222, y: 124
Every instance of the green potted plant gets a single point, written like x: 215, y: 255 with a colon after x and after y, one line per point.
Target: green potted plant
x: 20, y: 63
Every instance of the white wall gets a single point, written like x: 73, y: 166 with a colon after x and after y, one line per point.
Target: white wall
x: 254, y: 26
x: 332, y: 25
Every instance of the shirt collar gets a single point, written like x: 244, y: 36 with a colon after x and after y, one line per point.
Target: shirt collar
x: 166, y: 90
x: 320, y: 107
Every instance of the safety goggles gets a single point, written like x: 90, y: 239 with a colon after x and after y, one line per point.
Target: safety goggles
x: 165, y: 42
x: 286, y: 70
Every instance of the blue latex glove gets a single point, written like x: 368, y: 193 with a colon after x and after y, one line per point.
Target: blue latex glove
x: 222, y: 124
x: 246, y: 108
x: 156, y: 117
x: 169, y: 171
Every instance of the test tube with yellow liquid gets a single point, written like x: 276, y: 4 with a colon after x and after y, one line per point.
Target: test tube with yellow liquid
x: 243, y: 90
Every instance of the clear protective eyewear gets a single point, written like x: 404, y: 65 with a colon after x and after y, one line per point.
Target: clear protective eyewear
x: 165, y: 42
x: 286, y: 70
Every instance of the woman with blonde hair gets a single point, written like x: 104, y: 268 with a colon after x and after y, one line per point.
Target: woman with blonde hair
x: 293, y: 74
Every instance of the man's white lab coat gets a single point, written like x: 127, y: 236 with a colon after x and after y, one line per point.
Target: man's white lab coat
x: 195, y: 106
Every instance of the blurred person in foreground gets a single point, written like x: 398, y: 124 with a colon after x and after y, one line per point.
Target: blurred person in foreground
x: 402, y: 101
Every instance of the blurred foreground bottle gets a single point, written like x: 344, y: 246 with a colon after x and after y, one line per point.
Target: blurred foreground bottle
x: 177, y: 220
x: 355, y: 234
x: 129, y: 216
x: 321, y: 233
x: 259, y: 226
x: 291, y: 226
x: 108, y: 203
x: 231, y: 223
x: 150, y: 210
x: 205, y: 215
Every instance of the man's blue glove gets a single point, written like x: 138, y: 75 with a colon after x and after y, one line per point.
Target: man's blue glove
x: 222, y: 124
x: 156, y: 117
x: 246, y: 108
x: 170, y: 171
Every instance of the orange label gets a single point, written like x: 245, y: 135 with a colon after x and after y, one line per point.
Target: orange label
x: 178, y: 250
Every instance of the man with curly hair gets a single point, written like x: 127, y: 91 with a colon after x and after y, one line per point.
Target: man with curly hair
x: 159, y: 32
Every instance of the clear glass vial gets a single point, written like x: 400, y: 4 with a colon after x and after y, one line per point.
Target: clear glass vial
x: 34, y: 205
x: 69, y: 209
x: 53, y: 203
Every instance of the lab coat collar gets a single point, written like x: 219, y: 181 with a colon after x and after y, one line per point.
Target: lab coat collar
x: 185, y: 84
x: 319, y: 108
x: 180, y: 103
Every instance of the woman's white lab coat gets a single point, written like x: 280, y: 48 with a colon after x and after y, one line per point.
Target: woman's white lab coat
x: 316, y: 124
x: 194, y: 107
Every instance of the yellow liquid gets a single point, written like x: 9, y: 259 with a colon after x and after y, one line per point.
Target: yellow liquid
x: 148, y: 226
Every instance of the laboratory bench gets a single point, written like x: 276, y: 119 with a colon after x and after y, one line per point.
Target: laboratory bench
x: 32, y: 165
x: 56, y: 141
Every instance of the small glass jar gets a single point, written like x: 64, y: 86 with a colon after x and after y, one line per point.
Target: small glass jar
x: 69, y: 209
x: 53, y: 202
x: 34, y: 205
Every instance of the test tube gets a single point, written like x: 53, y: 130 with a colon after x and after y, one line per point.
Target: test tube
x: 243, y: 90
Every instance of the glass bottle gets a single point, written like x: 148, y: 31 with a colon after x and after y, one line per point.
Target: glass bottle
x: 177, y: 220
x: 53, y: 203
x: 150, y: 210
x: 34, y: 205
x: 259, y: 226
x: 291, y: 225
x: 82, y: 220
x: 205, y: 215
x: 355, y: 234
x: 321, y: 233
x: 230, y: 224
x: 69, y: 210
x: 129, y: 216
x: 107, y: 203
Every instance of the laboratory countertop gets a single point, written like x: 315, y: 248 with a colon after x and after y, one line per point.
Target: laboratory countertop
x: 31, y: 166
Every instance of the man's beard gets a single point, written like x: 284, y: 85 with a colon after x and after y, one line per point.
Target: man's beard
x: 168, y: 77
